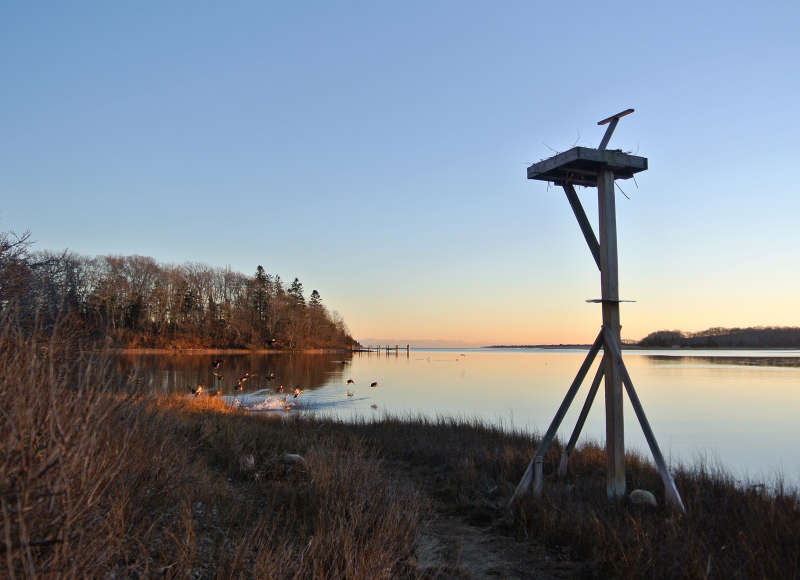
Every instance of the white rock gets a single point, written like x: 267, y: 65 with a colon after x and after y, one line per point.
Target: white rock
x: 643, y: 497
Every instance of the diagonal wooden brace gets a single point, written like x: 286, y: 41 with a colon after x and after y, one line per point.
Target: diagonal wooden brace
x: 583, y: 222
x: 587, y: 405
x: 536, y: 463
x: 670, y: 491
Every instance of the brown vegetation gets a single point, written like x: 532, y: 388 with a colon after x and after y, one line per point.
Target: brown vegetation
x: 95, y: 481
x: 132, y: 301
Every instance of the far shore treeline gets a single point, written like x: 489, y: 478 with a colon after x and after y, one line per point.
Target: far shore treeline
x: 753, y: 337
x: 135, y: 302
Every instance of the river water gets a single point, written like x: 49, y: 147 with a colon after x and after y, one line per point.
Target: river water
x: 738, y: 409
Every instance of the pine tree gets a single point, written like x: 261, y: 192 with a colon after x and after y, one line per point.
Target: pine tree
x: 315, y: 301
x: 296, y: 292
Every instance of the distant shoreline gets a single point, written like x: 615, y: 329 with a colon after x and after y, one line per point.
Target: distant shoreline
x: 638, y: 347
x: 203, y: 351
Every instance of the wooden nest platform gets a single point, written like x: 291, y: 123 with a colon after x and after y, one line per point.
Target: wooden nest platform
x: 582, y: 166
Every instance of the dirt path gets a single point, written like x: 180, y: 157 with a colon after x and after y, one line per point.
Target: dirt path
x: 450, y: 547
x: 475, y: 546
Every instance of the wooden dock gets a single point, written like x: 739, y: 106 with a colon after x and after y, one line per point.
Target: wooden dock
x: 387, y: 349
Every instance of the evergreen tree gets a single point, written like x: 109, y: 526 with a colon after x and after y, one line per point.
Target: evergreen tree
x: 296, y: 292
x: 315, y: 301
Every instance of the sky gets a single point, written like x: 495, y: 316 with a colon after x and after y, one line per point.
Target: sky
x: 378, y: 151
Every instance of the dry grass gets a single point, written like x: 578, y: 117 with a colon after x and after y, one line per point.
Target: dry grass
x: 731, y: 529
x: 96, y: 481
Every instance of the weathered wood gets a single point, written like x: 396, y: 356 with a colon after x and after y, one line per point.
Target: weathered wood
x: 587, y: 406
x: 583, y: 222
x: 617, y: 116
x: 609, y: 285
x: 536, y: 462
x: 670, y: 491
x: 607, y: 135
x: 583, y: 165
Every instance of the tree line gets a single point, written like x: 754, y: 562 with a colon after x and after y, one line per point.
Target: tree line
x: 133, y: 301
x: 752, y: 337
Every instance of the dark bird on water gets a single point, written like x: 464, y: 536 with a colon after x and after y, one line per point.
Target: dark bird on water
x: 373, y: 384
x: 350, y: 381
x: 298, y: 391
x: 217, y: 364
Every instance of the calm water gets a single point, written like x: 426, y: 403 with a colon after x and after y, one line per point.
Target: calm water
x: 737, y: 408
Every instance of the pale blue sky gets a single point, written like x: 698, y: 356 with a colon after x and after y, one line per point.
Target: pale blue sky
x: 378, y: 152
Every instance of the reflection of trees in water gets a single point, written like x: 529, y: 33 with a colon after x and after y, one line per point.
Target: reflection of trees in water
x: 757, y: 361
x: 166, y: 373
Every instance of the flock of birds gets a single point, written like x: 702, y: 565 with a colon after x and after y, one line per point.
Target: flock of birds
x: 238, y: 386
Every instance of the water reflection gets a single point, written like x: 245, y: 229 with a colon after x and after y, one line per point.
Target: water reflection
x: 168, y: 373
x: 756, y: 361
x: 737, y: 407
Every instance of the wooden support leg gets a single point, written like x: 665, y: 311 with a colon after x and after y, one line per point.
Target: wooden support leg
x: 609, y: 283
x: 670, y: 491
x: 525, y: 482
x: 562, y: 466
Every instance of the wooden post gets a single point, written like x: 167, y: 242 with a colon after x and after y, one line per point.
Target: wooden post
x: 670, y: 491
x: 609, y: 284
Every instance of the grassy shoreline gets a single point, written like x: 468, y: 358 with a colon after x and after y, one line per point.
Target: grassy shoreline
x: 98, y: 483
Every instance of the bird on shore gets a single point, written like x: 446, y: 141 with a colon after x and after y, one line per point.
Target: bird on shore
x: 349, y: 381
x: 238, y: 387
x: 297, y: 391
x: 373, y: 384
x: 279, y: 389
x: 217, y: 364
x: 196, y: 391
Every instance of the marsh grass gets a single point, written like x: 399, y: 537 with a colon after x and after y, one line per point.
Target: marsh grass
x: 96, y: 480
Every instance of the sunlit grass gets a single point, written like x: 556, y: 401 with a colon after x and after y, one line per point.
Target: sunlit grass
x: 98, y: 481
